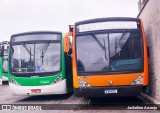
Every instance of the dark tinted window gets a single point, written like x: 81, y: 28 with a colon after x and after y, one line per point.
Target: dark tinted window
x: 110, y: 52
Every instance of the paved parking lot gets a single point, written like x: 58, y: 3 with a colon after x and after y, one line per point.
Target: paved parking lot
x: 69, y: 103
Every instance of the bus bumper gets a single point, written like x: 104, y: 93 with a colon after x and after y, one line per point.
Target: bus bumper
x: 57, y: 88
x: 100, y: 91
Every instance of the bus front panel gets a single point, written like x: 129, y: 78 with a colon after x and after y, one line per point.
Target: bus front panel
x: 36, y: 64
x: 110, y: 57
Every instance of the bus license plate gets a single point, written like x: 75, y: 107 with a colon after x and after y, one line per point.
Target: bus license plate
x: 36, y: 91
x: 110, y: 91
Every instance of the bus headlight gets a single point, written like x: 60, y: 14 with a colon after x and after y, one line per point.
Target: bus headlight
x: 58, y: 79
x: 82, y: 83
x: 14, y: 82
x: 138, y: 80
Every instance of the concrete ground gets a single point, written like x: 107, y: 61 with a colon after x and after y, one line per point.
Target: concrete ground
x: 68, y: 103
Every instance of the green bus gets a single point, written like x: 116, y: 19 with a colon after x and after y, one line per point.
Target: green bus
x: 1, y: 67
x: 38, y: 64
x: 5, y: 47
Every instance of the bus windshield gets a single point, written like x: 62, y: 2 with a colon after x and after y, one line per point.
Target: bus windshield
x: 109, y: 52
x: 36, y: 57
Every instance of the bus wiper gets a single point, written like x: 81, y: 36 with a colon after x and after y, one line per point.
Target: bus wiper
x: 44, y: 50
x: 99, y: 43
x: 29, y: 52
x: 121, y: 38
x: 105, y: 50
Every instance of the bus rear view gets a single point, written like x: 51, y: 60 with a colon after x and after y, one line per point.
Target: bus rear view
x: 109, y: 57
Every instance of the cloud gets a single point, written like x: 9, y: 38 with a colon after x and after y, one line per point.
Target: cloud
x: 34, y: 15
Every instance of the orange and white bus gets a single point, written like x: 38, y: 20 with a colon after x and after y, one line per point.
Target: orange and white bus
x: 109, y: 57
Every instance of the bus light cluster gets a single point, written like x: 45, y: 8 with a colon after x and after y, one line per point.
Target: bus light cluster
x: 82, y: 83
x: 138, y: 81
x: 14, y: 82
x: 58, y: 79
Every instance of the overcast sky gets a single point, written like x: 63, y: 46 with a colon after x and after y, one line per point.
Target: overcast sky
x: 18, y: 16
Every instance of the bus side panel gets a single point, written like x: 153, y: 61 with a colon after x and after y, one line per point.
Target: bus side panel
x: 68, y: 72
x: 67, y: 68
x: 75, y: 76
x: 145, y: 79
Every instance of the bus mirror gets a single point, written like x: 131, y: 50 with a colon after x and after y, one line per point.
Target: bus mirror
x: 148, y: 52
x: 66, y: 43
